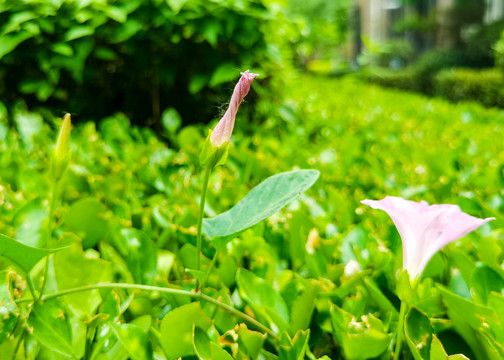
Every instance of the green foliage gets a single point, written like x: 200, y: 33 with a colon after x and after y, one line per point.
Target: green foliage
x: 485, y: 86
x: 405, y: 79
x: 23, y: 256
x: 51, y: 326
x: 418, y: 332
x: 140, y: 57
x: 498, y: 48
x: 386, y: 52
x: 317, y: 279
x: 323, y: 26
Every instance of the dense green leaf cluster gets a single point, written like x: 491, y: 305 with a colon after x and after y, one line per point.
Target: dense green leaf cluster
x: 139, y: 57
x: 321, y: 275
x: 485, y: 86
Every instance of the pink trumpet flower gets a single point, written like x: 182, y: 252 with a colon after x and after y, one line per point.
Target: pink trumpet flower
x: 424, y: 228
x: 223, y: 130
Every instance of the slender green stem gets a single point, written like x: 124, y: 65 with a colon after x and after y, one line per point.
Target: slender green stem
x: 400, y: 330
x: 50, y: 221
x: 29, y: 280
x: 191, y: 294
x: 209, y: 270
x: 200, y: 218
x: 244, y: 316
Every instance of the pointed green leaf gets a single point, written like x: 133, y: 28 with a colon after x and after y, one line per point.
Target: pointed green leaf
x: 9, y: 42
x: 142, y: 257
x: 9, y: 311
x: 21, y: 255
x: 206, y: 349
x: 201, y: 344
x: 302, y: 308
x: 260, y: 203
x: 483, y: 281
x: 250, y: 342
x: 418, y: 331
x: 295, y: 348
x: 438, y: 352
x: 263, y: 298
x: 134, y: 340
x: 51, y: 326
x: 75, y: 263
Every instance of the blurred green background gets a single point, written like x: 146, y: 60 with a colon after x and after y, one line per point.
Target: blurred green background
x: 94, y: 58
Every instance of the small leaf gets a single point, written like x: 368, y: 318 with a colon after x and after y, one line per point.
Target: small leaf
x: 251, y: 342
x: 142, y: 257
x: 176, y: 5
x: 201, y: 344
x: 62, y: 49
x: 224, y: 73
x: 438, y: 352
x: 295, y: 348
x: 134, y: 340
x: 418, y: 331
x: 360, y: 340
x: 23, y: 256
x: 70, y: 264
x: 483, y: 281
x: 79, y: 31
x: 477, y: 316
x: 171, y: 120
x: 86, y: 219
x: 263, y: 298
x: 51, y: 326
x: 260, y: 203
x: 177, y: 329
x: 9, y: 42
x: 302, y: 308
x: 9, y: 311
x: 206, y: 349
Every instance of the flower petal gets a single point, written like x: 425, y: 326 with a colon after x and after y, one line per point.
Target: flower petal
x: 425, y: 229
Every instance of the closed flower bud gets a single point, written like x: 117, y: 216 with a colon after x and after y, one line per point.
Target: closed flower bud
x: 224, y: 128
x: 216, y: 146
x: 61, y: 152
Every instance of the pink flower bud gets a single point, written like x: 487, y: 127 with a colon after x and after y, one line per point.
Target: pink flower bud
x: 223, y: 130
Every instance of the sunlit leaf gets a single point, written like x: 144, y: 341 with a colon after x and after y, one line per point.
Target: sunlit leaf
x: 51, y: 326
x: 9, y: 311
x: 23, y: 256
x: 134, y: 340
x: 418, y: 331
x: 263, y: 298
x: 260, y: 203
x: 177, y: 329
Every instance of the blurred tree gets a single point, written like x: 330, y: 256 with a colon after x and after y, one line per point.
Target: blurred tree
x: 323, y: 25
x: 453, y: 16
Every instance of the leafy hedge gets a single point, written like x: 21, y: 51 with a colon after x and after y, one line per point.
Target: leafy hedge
x: 96, y: 57
x: 439, y: 73
x: 419, y: 76
x: 406, y: 79
x: 485, y: 86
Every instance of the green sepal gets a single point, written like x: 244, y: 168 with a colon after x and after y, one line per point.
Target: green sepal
x: 212, y: 156
x: 405, y: 290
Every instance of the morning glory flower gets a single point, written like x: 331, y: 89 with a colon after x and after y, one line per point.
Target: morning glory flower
x: 224, y: 128
x: 424, y: 228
